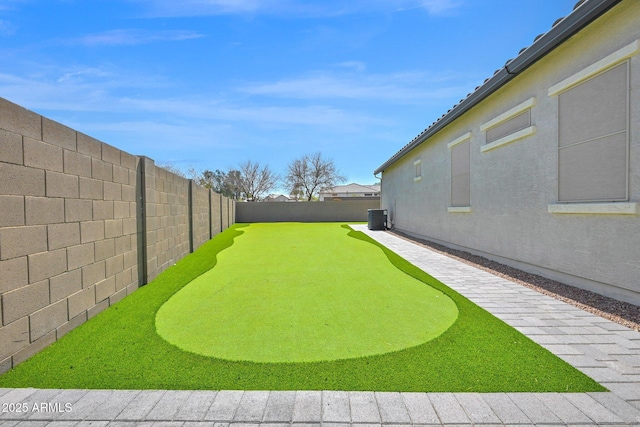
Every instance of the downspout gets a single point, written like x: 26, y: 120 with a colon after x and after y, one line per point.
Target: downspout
x: 389, y: 221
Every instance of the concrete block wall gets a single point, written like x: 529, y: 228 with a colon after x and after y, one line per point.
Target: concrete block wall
x: 200, y: 214
x: 232, y: 212
x: 334, y: 211
x: 82, y: 225
x: 68, y: 234
x: 216, y: 213
x: 167, y: 218
x: 224, y: 214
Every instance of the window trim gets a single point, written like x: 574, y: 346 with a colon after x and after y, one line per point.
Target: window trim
x: 614, y: 208
x: 506, y: 116
x: 605, y: 63
x: 612, y: 60
x: 461, y: 139
x: 509, y: 114
x: 521, y: 134
x: 615, y: 59
x: 417, y: 177
x: 459, y: 209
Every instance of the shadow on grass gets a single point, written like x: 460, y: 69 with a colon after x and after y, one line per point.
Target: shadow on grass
x: 120, y: 349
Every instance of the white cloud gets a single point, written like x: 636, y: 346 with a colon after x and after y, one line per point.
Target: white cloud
x: 124, y: 37
x: 86, y: 91
x: 7, y: 28
x: 165, y: 135
x: 172, y: 8
x: 439, y: 7
x: 407, y: 87
x: 263, y: 115
x: 316, y: 100
x: 357, y: 66
x: 73, y: 88
x: 433, y: 7
x: 200, y: 7
x: 84, y: 73
x: 10, y: 4
x: 41, y: 93
x: 436, y: 7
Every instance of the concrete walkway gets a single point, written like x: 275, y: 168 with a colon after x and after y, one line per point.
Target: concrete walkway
x: 604, y: 350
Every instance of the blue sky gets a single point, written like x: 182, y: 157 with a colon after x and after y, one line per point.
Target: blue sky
x: 212, y: 83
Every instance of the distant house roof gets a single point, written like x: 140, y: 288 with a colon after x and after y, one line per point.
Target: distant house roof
x: 276, y: 198
x: 584, y: 12
x: 352, y: 188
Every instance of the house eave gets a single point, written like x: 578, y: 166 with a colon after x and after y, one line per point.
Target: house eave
x: 581, y: 16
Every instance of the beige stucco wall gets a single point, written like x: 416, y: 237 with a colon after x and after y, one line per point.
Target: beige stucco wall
x: 76, y: 216
x: 512, y: 186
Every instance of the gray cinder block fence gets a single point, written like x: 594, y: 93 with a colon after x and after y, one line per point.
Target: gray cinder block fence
x: 82, y: 225
x: 331, y: 211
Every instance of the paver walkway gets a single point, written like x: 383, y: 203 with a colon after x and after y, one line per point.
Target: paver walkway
x: 606, y: 351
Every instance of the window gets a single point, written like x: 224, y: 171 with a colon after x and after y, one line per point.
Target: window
x: 593, y: 137
x: 418, y: 170
x: 509, y: 126
x: 519, y: 122
x: 460, y: 173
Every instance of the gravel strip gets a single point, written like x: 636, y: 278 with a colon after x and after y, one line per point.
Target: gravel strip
x: 617, y: 311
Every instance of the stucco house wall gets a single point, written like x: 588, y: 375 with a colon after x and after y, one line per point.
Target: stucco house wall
x: 513, y: 214
x: 349, y: 191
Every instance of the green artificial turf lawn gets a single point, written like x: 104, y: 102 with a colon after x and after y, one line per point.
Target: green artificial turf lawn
x: 120, y: 349
x: 303, y: 293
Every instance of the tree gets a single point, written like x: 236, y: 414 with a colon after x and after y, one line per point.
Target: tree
x: 206, y: 179
x: 215, y: 180
x: 296, y: 193
x: 190, y: 173
x: 311, y: 174
x: 231, y: 185
x: 227, y: 183
x: 254, y: 181
x: 173, y: 169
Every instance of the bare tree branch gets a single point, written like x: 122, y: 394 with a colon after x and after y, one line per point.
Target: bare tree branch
x: 255, y: 181
x: 173, y: 169
x: 312, y: 174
